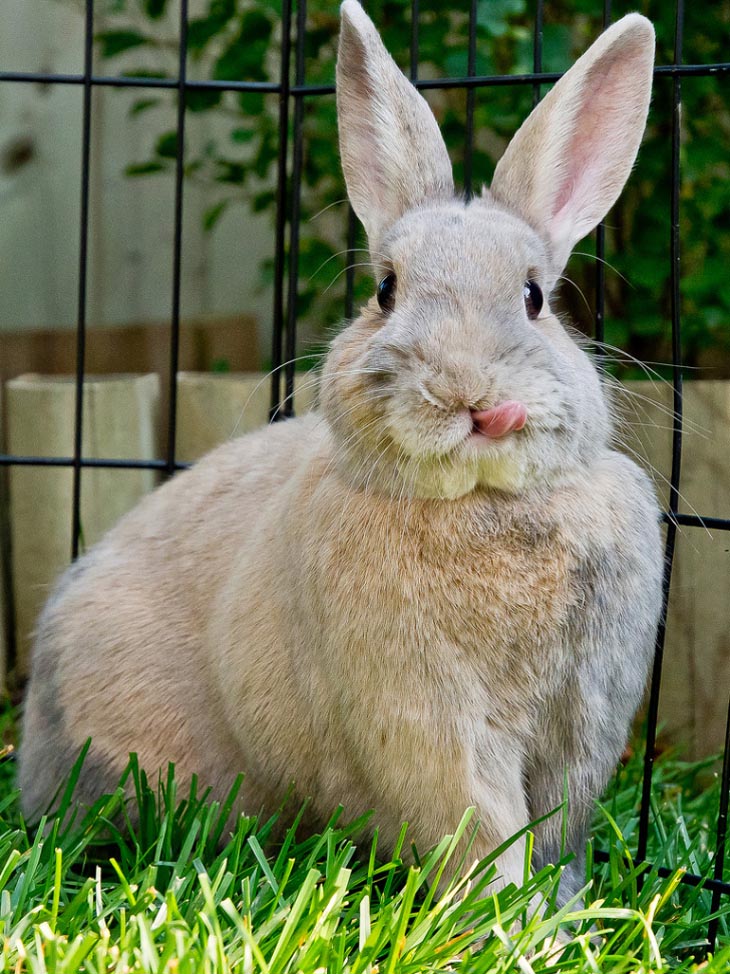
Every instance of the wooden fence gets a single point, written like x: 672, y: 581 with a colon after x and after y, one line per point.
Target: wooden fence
x: 121, y: 420
x: 696, y: 675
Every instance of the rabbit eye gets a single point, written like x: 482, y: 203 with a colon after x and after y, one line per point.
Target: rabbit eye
x: 533, y: 299
x: 386, y: 293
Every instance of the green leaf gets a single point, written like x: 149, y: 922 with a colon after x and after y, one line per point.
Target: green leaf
x: 223, y: 10
x: 230, y: 172
x: 556, y: 54
x: 242, y: 59
x: 245, y: 55
x: 144, y: 168
x: 265, y: 157
x: 256, y: 26
x: 262, y: 201
x: 144, y: 73
x: 202, y: 99
x: 202, y: 30
x: 251, y: 102
x: 143, y: 105
x: 213, y: 214
x: 456, y: 63
x: 242, y: 135
x: 114, y: 42
x: 166, y: 145
x: 155, y: 8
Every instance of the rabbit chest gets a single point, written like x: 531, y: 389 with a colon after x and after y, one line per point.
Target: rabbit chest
x: 477, y: 602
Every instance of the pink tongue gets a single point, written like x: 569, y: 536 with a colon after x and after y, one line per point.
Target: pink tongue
x: 499, y: 420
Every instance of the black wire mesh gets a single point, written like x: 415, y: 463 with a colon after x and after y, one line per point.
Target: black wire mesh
x: 83, y: 274
x: 291, y: 99
x: 671, y: 540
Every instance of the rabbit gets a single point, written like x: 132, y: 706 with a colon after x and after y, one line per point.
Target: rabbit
x: 441, y: 588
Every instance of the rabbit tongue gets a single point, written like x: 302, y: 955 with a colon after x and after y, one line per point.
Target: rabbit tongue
x: 507, y: 417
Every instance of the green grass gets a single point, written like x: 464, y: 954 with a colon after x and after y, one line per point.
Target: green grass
x: 178, y: 892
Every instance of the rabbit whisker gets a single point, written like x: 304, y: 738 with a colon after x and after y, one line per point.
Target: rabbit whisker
x: 679, y: 421
x: 312, y: 379
x: 602, y: 260
x: 265, y: 378
x: 345, y: 444
x: 564, y: 277
x: 347, y: 250
x: 643, y: 461
x: 362, y: 263
x: 651, y: 374
x: 630, y: 393
x: 328, y: 207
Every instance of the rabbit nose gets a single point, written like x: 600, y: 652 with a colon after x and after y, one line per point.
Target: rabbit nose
x: 499, y: 420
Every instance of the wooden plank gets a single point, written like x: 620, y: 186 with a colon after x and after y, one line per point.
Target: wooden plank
x: 205, y: 343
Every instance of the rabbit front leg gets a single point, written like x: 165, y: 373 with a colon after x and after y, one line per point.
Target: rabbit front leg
x: 585, y: 719
x: 426, y: 770
x: 501, y: 805
x: 565, y: 775
x: 581, y: 738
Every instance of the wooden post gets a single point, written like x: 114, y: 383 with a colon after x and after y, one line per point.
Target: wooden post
x: 119, y: 423
x: 214, y: 407
x: 696, y: 675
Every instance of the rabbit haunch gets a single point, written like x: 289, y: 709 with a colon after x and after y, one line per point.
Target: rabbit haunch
x: 442, y: 589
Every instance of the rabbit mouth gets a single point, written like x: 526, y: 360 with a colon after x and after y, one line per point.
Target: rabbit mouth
x: 499, y: 421
x: 487, y: 455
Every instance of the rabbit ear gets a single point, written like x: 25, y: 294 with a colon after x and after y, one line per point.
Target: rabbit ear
x: 567, y: 164
x: 393, y: 155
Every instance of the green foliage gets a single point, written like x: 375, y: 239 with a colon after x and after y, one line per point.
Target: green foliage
x: 155, y: 8
x: 240, y: 40
x: 170, y: 881
x: 114, y: 42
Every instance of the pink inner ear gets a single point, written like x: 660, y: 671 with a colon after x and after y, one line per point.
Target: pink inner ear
x: 593, y: 165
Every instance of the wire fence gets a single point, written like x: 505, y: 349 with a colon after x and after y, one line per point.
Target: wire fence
x: 291, y: 98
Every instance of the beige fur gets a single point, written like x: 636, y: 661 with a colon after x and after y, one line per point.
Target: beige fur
x: 362, y: 601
